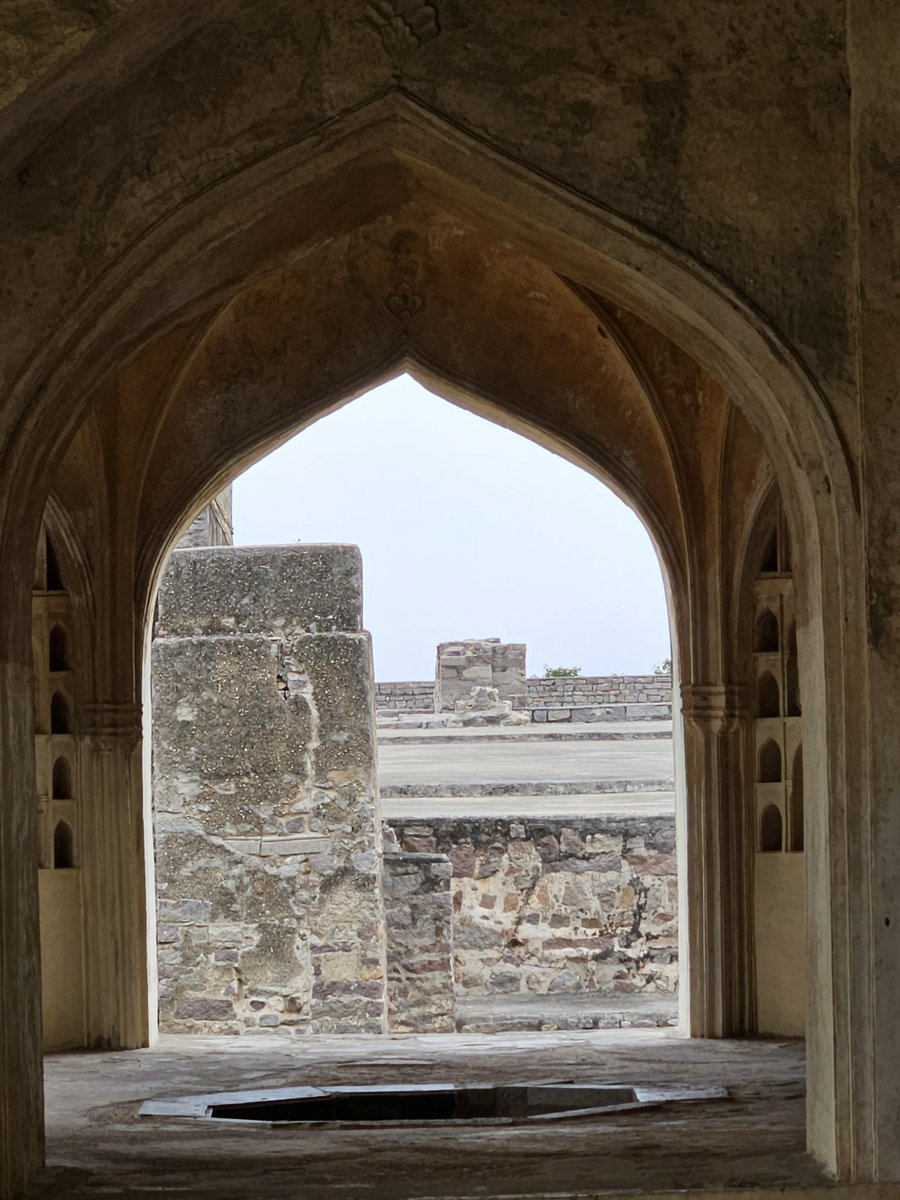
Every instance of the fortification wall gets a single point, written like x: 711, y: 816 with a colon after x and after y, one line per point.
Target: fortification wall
x: 585, y: 693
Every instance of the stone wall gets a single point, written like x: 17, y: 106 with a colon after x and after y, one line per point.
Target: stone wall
x: 406, y: 696
x: 588, y: 690
x: 590, y: 694
x: 267, y: 827
x: 479, y: 662
x: 419, y: 919
x: 212, y: 526
x: 557, y: 905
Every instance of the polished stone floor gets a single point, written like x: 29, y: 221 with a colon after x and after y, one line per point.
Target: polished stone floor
x: 98, y: 1146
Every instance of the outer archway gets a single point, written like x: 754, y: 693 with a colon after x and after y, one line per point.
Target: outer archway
x: 166, y: 296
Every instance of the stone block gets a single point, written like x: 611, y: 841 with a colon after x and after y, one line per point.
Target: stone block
x: 279, y: 591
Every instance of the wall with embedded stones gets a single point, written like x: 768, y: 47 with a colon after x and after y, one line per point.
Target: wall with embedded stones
x: 557, y: 905
x: 584, y: 693
x: 267, y: 826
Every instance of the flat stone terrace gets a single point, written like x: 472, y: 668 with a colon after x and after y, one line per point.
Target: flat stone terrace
x: 620, y: 768
x: 99, y: 1147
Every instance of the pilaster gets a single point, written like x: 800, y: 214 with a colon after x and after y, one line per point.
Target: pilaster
x: 115, y: 885
x: 714, y: 870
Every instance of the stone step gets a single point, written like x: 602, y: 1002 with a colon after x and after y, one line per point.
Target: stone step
x: 641, y: 804
x: 530, y: 787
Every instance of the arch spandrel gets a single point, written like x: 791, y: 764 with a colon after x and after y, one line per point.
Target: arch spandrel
x: 206, y: 252
x: 491, y: 329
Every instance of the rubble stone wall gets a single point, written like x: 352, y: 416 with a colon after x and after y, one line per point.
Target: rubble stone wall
x: 415, y: 696
x: 582, y: 692
x: 419, y: 920
x: 479, y: 662
x: 557, y: 905
x: 588, y: 690
x: 267, y: 824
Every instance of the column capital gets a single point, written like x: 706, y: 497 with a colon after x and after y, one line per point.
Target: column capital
x: 108, y: 722
x: 713, y: 706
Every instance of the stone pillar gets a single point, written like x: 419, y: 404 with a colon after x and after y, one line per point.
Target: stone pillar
x: 419, y: 913
x: 115, y: 909
x: 21, y: 1079
x: 268, y: 826
x: 713, y: 870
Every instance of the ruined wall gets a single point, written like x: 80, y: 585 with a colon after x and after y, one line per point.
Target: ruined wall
x: 267, y: 830
x: 415, y: 696
x: 584, y: 691
x: 557, y: 905
x: 587, y: 690
x: 479, y: 662
x: 418, y: 902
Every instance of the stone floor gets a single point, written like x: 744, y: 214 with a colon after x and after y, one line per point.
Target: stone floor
x: 99, y: 1147
x: 582, y: 771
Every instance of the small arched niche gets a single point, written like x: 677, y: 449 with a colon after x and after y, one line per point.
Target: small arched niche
x: 60, y: 714
x: 769, y: 563
x: 770, y: 830
x: 58, y: 649
x: 63, y: 846
x: 765, y: 632
x: 54, y: 575
x: 796, y: 831
x: 768, y: 700
x: 769, y: 762
x: 62, y: 779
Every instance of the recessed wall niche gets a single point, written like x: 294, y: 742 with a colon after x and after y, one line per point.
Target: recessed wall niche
x: 775, y: 772
x: 58, y: 777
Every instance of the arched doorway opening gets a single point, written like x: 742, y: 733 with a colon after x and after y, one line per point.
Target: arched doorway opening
x: 183, y: 460
x: 232, y: 814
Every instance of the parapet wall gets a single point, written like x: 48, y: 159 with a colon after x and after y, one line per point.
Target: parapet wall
x: 416, y: 696
x: 584, y: 692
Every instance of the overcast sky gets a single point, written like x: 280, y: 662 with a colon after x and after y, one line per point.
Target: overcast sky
x: 466, y: 530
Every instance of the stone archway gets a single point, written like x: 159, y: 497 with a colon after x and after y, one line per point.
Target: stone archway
x: 169, y: 297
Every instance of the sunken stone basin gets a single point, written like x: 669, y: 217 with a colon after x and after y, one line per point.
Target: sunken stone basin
x: 425, y: 1103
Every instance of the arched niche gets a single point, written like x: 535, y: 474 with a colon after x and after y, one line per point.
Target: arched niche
x: 58, y: 649
x: 748, y: 362
x: 771, y: 831
x: 60, y: 714
x: 63, y: 846
x: 62, y: 778
x: 796, y: 824
x: 768, y: 698
x: 769, y: 561
x: 765, y: 632
x: 54, y: 574
x: 769, y: 762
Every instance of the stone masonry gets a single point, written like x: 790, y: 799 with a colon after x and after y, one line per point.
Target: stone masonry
x: 584, y: 698
x: 268, y: 838
x: 558, y: 906
x: 479, y: 662
x: 419, y: 920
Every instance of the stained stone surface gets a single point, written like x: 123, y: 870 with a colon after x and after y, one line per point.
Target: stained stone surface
x: 557, y: 906
x: 479, y: 663
x: 97, y: 1145
x: 268, y: 842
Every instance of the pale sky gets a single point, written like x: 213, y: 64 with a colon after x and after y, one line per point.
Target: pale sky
x: 466, y: 530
